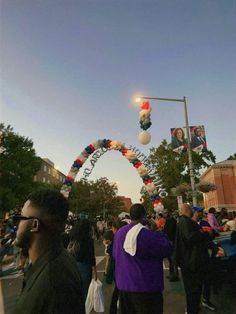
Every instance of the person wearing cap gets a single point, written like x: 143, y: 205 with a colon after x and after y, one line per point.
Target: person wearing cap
x: 138, y: 253
x: 52, y: 283
x: 189, y: 255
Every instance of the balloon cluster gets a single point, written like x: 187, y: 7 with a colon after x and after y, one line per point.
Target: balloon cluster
x: 145, y: 122
x: 130, y: 156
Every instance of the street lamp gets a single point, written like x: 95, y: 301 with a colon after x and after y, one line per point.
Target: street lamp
x: 190, y: 159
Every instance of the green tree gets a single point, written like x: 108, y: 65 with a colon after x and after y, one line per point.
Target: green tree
x: 173, y: 169
x: 95, y: 197
x: 232, y: 157
x: 18, y: 165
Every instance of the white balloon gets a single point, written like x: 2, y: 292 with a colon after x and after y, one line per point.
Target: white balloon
x: 144, y: 137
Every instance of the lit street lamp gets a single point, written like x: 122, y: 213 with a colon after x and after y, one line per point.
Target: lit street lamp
x: 190, y: 160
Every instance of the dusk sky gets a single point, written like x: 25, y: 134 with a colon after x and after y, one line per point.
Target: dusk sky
x: 71, y: 69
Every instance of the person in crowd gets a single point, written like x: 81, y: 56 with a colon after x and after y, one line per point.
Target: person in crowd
x: 3, y: 248
x: 161, y: 220
x: 100, y: 228
x: 85, y: 255
x: 116, y: 224
x: 52, y: 284
x: 7, y: 236
x: 178, y: 141
x: 138, y: 254
x: 211, y: 218
x: 170, y: 230
x: 189, y: 254
x: 198, y: 141
x: 223, y: 216
x: 231, y: 224
x: 107, y: 240
x: 127, y: 219
x: 209, y: 269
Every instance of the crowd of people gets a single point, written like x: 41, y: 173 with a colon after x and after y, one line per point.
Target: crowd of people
x: 62, y: 262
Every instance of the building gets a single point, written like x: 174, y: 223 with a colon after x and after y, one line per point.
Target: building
x: 48, y: 173
x: 126, y: 201
x: 223, y: 175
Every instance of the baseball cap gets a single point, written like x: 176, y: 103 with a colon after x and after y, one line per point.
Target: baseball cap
x: 197, y: 209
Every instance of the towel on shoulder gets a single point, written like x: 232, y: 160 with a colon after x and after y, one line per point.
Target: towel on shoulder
x: 130, y: 244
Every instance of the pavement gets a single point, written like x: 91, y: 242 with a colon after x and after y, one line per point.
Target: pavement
x: 174, y: 297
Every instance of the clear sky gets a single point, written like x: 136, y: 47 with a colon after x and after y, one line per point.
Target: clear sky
x: 71, y: 68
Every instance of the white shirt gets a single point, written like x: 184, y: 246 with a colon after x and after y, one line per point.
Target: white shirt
x: 232, y: 225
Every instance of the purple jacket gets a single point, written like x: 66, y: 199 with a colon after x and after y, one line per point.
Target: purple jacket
x: 142, y: 272
x: 213, y: 222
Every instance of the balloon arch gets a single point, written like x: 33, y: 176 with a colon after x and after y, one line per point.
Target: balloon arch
x: 108, y: 144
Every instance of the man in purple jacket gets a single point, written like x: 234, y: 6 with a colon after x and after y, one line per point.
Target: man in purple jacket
x: 138, y: 254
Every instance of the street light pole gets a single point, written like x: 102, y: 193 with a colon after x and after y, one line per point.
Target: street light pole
x: 190, y: 159
x: 189, y: 149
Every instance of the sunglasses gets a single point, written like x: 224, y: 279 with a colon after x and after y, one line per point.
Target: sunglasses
x: 17, y: 218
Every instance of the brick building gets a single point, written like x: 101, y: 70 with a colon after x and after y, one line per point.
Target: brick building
x: 223, y: 175
x: 126, y: 201
x: 48, y: 173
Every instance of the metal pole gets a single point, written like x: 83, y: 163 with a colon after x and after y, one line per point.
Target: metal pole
x: 158, y: 98
x: 190, y: 159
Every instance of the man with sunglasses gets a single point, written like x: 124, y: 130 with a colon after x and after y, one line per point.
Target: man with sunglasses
x: 52, y: 284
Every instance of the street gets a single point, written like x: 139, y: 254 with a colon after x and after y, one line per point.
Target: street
x: 174, y: 300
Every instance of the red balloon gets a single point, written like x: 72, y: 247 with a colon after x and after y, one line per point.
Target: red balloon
x: 145, y: 105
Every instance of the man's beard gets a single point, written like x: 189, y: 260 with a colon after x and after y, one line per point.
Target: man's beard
x: 23, y: 239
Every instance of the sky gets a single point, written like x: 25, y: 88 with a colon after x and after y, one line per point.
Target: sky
x: 70, y: 70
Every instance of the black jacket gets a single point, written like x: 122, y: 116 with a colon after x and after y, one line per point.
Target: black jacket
x: 52, y: 286
x: 191, y: 245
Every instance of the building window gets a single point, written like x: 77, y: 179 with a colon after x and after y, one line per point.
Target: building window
x: 48, y: 181
x: 44, y: 179
x: 45, y: 168
x: 49, y: 171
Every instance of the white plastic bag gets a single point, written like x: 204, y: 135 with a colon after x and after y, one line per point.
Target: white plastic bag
x: 90, y: 298
x: 98, y: 297
x: 95, y: 298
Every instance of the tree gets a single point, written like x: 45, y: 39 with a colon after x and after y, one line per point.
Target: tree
x: 18, y: 165
x: 173, y: 169
x: 232, y: 157
x: 95, y: 197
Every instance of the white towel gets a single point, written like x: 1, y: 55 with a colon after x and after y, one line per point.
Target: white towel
x: 130, y: 243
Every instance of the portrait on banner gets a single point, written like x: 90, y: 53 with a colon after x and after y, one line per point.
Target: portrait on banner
x: 178, y: 140
x: 198, y: 139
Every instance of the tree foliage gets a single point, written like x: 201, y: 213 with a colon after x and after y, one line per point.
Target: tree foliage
x: 95, y: 197
x: 18, y: 165
x: 232, y: 157
x: 173, y: 169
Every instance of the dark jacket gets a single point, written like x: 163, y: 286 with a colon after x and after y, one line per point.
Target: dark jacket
x: 195, y: 142
x: 191, y: 245
x: 170, y: 228
x: 52, y: 286
x: 86, y: 252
